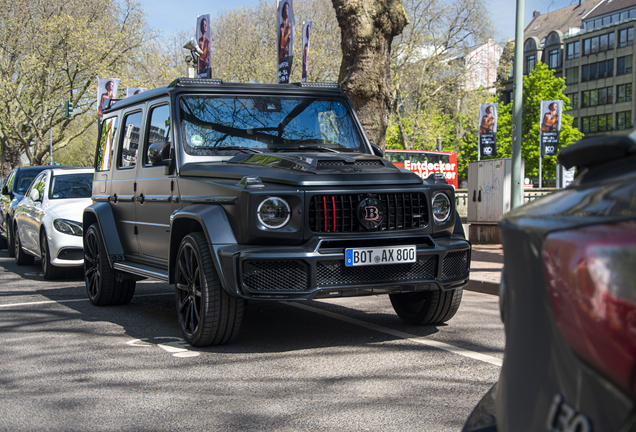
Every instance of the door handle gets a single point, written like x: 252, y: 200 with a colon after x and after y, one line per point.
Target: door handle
x: 113, y: 198
x: 479, y: 197
x: 474, y: 194
x: 140, y: 198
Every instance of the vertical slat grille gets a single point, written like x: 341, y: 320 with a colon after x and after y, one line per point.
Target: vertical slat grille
x: 338, y: 212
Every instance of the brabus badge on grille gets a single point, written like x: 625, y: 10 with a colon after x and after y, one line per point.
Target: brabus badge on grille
x: 370, y: 213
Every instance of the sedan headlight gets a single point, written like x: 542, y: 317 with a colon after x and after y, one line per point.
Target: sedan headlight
x: 274, y: 212
x: 68, y: 227
x: 441, y: 207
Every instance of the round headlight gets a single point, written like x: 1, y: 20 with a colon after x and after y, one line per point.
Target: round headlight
x: 441, y: 207
x: 274, y: 213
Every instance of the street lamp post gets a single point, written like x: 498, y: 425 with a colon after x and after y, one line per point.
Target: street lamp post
x: 517, y: 114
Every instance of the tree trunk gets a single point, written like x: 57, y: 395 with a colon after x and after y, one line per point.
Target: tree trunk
x: 368, y: 28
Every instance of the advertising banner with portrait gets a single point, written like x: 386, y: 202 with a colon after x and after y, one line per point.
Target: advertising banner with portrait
x: 131, y: 91
x: 106, y: 89
x: 550, y: 127
x: 203, y: 39
x: 488, y: 114
x: 306, y: 39
x: 285, y: 39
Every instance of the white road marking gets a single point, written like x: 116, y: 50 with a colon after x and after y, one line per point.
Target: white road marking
x: 177, y: 347
x: 70, y: 301
x: 413, y: 338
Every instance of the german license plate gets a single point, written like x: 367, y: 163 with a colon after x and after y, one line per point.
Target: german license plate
x: 380, y: 255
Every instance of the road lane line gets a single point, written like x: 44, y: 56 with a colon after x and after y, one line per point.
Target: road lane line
x: 70, y: 300
x: 413, y: 338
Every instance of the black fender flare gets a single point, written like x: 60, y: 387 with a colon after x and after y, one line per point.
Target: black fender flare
x: 102, y: 214
x: 213, y: 221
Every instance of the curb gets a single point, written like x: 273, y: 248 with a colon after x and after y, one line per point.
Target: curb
x: 483, y: 287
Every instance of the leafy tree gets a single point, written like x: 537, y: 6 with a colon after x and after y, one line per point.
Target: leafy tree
x: 431, y: 64
x: 51, y: 52
x: 540, y: 84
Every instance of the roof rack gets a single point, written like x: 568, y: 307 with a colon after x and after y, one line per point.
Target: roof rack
x: 318, y: 85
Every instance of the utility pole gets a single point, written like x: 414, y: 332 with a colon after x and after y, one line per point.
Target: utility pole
x: 516, y: 198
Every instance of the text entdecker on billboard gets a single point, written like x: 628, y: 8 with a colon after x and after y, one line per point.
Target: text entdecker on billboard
x: 488, y: 114
x: 285, y: 39
x: 550, y: 127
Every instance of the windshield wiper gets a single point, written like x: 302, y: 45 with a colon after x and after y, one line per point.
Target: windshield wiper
x: 238, y: 148
x: 311, y: 147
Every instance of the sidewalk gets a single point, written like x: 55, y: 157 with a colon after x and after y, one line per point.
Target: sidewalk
x: 485, y: 268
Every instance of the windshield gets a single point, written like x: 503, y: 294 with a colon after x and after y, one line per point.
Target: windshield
x: 218, y: 125
x: 71, y: 186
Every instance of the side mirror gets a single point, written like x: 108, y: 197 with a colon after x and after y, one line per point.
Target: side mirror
x: 35, y: 195
x: 377, y: 150
x: 5, y: 190
x: 159, y: 153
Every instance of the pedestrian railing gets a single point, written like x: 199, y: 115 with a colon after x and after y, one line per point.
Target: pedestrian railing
x: 461, y: 198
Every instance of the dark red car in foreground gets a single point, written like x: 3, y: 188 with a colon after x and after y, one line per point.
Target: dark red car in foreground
x: 568, y: 301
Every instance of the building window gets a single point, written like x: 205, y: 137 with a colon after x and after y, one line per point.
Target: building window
x: 594, y: 71
x: 598, y: 43
x: 624, y: 93
x: 596, y: 97
x: 572, y: 75
x: 624, y: 65
x: 598, y: 123
x: 553, y: 59
x: 575, y: 123
x: 573, y: 50
x: 626, y: 37
x: 574, y: 100
x: 624, y: 120
x: 531, y: 62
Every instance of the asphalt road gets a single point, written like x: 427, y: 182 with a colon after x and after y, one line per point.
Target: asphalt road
x: 333, y: 365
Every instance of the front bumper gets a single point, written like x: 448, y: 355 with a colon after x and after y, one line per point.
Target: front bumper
x: 317, y: 268
x: 66, y: 250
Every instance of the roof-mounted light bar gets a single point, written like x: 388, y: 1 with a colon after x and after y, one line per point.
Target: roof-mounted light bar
x: 181, y: 82
x: 330, y: 85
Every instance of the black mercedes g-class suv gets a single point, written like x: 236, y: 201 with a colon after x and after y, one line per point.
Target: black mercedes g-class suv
x: 239, y: 192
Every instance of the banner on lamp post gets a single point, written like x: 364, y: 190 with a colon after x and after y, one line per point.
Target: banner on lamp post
x: 488, y: 114
x: 203, y: 39
x: 106, y: 89
x: 550, y: 127
x: 131, y: 91
x: 306, y: 39
x: 285, y: 39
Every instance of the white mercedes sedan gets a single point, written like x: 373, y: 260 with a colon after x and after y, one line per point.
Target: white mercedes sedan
x: 48, y: 221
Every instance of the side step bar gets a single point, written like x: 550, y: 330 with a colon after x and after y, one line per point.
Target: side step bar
x: 142, y: 270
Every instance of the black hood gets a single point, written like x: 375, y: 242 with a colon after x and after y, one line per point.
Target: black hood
x: 309, y: 169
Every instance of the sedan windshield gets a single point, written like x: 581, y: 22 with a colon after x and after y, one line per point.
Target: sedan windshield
x: 218, y: 125
x: 71, y: 186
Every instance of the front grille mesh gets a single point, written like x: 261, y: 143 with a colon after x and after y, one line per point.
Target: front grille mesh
x: 276, y: 276
x: 455, y: 265
x: 335, y: 273
x: 337, y: 213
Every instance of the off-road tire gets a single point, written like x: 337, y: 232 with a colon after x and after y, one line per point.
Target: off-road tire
x: 102, y: 286
x: 207, y: 315
x: 427, y: 307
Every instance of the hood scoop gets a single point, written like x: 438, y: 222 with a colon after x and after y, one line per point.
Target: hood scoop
x: 317, y: 163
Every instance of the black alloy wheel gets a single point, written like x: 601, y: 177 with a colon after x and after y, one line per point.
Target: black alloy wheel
x: 207, y: 314
x: 49, y: 271
x: 21, y: 257
x: 102, y: 287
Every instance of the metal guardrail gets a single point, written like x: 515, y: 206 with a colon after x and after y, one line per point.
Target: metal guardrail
x: 461, y: 198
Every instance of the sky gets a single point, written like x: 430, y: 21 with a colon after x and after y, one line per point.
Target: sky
x: 171, y: 15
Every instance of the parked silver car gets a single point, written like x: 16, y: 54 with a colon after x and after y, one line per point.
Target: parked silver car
x: 47, y: 222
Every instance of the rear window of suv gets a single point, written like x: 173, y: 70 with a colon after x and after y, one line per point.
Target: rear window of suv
x: 213, y: 125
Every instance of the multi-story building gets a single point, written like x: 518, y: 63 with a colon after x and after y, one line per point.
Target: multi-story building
x: 591, y: 45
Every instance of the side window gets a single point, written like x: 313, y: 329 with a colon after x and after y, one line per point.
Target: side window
x: 131, y: 129
x: 38, y: 184
x: 10, y: 181
x: 105, y: 150
x: 159, y: 129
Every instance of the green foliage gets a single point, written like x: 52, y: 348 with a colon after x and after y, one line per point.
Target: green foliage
x: 540, y: 84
